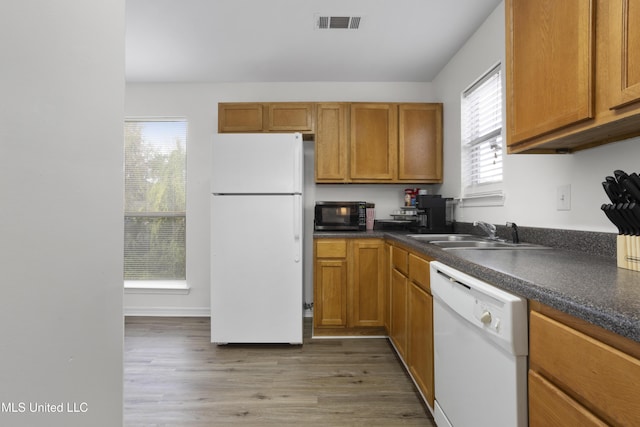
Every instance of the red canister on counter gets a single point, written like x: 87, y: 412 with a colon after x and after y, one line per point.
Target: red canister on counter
x: 410, y: 195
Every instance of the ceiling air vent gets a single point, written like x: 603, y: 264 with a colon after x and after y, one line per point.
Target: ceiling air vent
x: 338, y: 22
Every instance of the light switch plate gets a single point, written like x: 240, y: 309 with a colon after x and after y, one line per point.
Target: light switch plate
x: 563, y: 198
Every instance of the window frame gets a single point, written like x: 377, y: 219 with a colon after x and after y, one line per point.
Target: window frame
x: 483, y: 193
x: 161, y: 285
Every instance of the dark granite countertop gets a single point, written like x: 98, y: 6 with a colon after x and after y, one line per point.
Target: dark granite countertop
x: 586, y: 286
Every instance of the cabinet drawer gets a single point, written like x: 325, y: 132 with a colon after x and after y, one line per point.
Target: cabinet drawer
x: 600, y: 377
x: 331, y: 248
x: 400, y: 260
x: 549, y: 406
x: 419, y: 272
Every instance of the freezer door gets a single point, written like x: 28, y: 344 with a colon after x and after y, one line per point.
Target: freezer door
x: 256, y: 269
x: 257, y: 164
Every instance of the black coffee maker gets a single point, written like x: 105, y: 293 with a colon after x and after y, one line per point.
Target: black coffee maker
x: 434, y: 214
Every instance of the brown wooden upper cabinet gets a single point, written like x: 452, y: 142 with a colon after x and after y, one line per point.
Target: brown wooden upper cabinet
x: 624, y: 27
x: 266, y: 117
x: 378, y: 143
x: 420, y: 142
x: 331, y: 142
x: 572, y: 73
x: 240, y: 117
x: 373, y: 141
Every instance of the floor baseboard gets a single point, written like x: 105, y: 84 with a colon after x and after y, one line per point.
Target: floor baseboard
x: 168, y: 311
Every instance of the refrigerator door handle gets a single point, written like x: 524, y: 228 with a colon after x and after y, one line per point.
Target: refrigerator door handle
x: 297, y: 226
x: 297, y: 163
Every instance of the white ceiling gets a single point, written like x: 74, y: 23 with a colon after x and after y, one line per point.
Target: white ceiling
x: 276, y: 40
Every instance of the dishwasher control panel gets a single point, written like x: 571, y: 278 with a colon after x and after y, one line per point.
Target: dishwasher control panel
x: 489, y: 313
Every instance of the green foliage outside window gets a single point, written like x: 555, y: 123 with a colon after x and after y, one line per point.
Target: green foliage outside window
x: 155, y: 200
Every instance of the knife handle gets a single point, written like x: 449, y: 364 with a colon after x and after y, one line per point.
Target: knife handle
x: 632, y: 189
x: 608, y: 212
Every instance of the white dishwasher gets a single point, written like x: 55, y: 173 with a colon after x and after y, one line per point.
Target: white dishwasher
x: 480, y: 352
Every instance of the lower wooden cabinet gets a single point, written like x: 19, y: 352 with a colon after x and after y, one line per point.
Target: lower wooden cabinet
x: 411, y: 307
x: 387, y: 288
x: 549, y: 406
x: 349, y: 286
x: 420, y: 340
x: 580, y: 374
x: 398, y: 334
x: 330, y: 283
x: 366, y: 296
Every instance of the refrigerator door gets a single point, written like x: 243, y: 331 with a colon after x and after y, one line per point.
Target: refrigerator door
x: 256, y: 269
x: 257, y: 164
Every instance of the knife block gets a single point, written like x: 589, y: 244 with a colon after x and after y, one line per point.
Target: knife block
x: 628, y: 252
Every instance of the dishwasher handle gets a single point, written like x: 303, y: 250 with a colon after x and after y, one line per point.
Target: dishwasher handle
x: 451, y: 279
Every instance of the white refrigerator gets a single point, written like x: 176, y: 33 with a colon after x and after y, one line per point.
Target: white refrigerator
x: 256, y: 238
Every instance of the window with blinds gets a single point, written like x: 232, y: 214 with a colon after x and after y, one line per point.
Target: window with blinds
x: 155, y: 200
x: 482, y: 135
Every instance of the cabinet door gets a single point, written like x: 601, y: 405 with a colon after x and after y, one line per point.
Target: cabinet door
x: 331, y: 143
x: 420, y: 340
x: 366, y: 302
x: 240, y: 117
x: 419, y: 272
x: 387, y: 287
x: 420, y: 142
x: 400, y: 259
x: 373, y: 142
x: 399, y: 283
x: 330, y: 293
x: 624, y: 35
x: 603, y: 378
x: 550, y: 65
x: 290, y: 117
x: 330, y: 283
x: 549, y: 406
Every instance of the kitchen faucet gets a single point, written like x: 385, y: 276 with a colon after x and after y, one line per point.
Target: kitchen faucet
x: 490, y: 229
x: 514, y: 232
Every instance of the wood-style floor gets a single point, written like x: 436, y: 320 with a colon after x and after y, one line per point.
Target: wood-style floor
x: 173, y: 376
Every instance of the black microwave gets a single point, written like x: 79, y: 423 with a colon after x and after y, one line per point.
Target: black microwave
x: 340, y: 216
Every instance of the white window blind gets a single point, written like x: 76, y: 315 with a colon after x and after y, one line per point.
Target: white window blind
x: 155, y: 200
x: 482, y: 134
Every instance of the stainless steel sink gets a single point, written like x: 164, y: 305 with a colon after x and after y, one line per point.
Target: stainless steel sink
x: 468, y: 241
x: 444, y: 237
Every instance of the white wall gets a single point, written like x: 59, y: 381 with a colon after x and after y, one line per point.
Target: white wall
x: 61, y: 109
x: 199, y: 104
x: 531, y: 181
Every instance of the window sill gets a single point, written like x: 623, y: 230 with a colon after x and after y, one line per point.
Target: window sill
x: 495, y: 198
x: 174, y: 287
